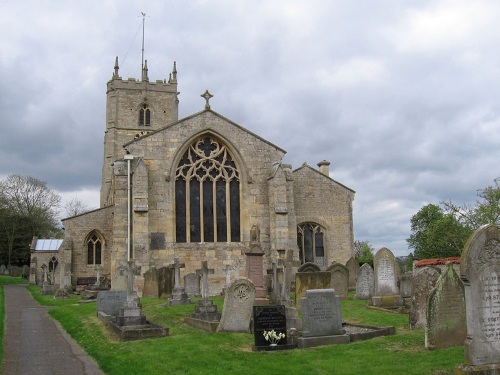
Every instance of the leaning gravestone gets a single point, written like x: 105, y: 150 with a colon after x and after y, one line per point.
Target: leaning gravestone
x: 386, y: 293
x: 321, y: 319
x: 480, y: 272
x: 364, y: 282
x: 339, y: 279
x: 424, y: 281
x: 446, y: 321
x: 238, y: 301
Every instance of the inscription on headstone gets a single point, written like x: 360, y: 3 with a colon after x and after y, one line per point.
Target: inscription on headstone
x: 364, y: 282
x: 267, y: 319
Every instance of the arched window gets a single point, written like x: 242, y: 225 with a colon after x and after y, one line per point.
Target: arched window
x: 207, y: 194
x: 53, y: 264
x: 310, y: 242
x: 94, y: 250
x: 144, y: 116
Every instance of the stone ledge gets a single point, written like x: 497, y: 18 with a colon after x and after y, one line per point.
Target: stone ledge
x: 311, y: 342
x: 209, y: 326
x: 492, y: 369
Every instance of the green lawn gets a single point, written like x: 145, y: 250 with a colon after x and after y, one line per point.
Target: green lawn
x: 190, y: 351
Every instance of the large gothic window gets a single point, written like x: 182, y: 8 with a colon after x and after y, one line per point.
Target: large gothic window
x: 94, y: 249
x: 207, y: 194
x: 310, y: 242
x: 145, y: 115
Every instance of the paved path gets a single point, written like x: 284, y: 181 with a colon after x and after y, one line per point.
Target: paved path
x: 35, y: 344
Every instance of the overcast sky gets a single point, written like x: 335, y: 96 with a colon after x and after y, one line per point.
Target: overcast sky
x: 402, y: 97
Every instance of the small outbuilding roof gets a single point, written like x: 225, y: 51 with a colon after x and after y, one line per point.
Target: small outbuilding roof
x: 47, y: 245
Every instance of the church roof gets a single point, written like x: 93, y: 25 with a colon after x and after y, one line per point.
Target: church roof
x: 215, y: 114
x: 308, y: 167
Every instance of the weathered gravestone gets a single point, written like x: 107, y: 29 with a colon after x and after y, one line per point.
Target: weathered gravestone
x: 446, y: 321
x: 165, y: 281
x: 238, y: 302
x: 192, y: 284
x: 2, y: 269
x: 339, y: 279
x: 364, y: 282
x: 406, y: 285
x: 269, y: 327
x: 254, y: 266
x: 480, y: 272
x: 109, y: 303
x: 353, y: 267
x: 151, y: 283
x: 310, y: 276
x: 386, y: 293
x: 321, y: 319
x: 423, y: 281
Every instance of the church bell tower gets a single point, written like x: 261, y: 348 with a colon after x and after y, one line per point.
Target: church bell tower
x: 134, y: 108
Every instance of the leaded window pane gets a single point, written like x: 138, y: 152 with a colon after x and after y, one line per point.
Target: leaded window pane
x: 98, y: 252
x: 208, y: 176
x: 310, y: 240
x: 90, y: 253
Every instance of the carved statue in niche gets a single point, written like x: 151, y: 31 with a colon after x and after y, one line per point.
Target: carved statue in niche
x: 255, y: 235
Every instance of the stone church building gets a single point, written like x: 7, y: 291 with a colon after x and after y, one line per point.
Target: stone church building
x: 193, y: 188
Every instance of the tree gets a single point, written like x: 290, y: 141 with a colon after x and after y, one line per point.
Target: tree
x: 75, y: 207
x: 363, y: 252
x: 27, y: 208
x: 486, y: 210
x: 436, y: 234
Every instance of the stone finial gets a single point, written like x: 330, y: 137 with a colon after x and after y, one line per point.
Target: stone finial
x: 145, y: 77
x: 324, y: 167
x: 174, y: 74
x: 115, y: 74
x: 206, y: 95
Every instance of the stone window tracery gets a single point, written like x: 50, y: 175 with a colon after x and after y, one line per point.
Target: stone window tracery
x: 145, y: 115
x: 310, y: 242
x: 207, y: 194
x: 94, y: 250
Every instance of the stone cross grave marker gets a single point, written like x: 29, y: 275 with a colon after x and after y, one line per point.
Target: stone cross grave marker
x: 179, y: 295
x: 204, y: 272
x: 227, y: 270
x: 177, y: 272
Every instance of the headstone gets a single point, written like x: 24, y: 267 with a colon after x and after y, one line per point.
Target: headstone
x: 386, y: 293
x: 109, y: 302
x: 339, y: 279
x: 480, y: 272
x: 275, y: 292
x: 25, y: 271
x: 2, y: 269
x: 322, y: 320
x: 405, y: 284
x: 179, y: 295
x: 446, y: 320
x: 151, y: 283
x: 192, y: 284
x: 305, y: 280
x: 293, y: 322
x: 364, y: 282
x: 15, y: 271
x: 238, y: 302
x: 353, y: 267
x: 165, y: 281
x: 424, y: 281
x: 269, y: 327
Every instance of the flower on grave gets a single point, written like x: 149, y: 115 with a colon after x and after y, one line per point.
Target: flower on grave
x: 273, y: 337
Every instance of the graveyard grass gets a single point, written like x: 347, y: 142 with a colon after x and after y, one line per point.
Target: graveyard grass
x: 190, y: 351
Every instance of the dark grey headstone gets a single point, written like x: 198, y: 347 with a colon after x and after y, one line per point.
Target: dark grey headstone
x: 151, y: 283
x: 267, y: 319
x: 110, y: 301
